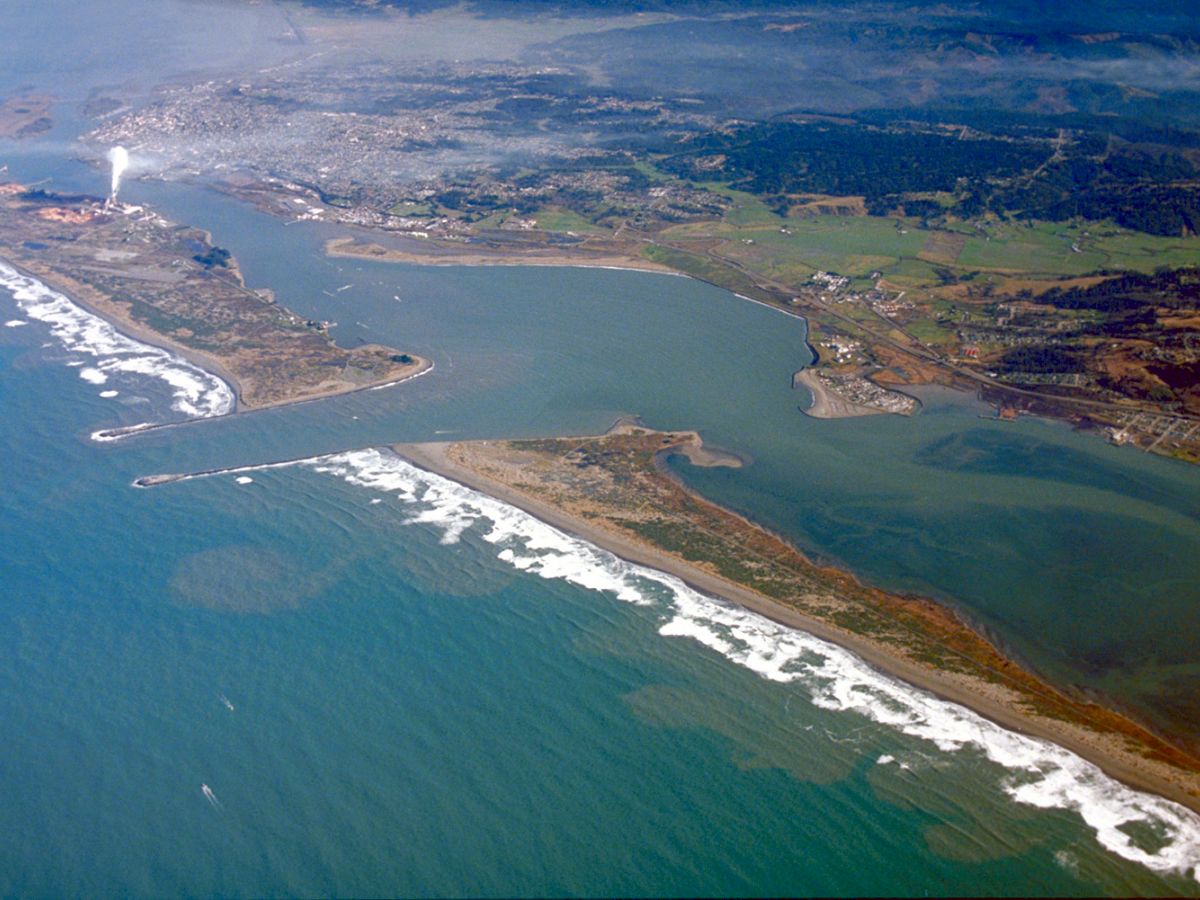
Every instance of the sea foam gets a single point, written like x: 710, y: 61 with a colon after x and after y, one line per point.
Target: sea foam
x: 195, y: 392
x: 1039, y: 773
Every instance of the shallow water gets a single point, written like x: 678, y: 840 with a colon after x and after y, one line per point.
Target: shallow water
x: 267, y: 682
x: 431, y: 694
x: 195, y: 392
x: 1044, y: 536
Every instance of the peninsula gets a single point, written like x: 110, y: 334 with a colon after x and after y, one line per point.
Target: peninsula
x: 613, y: 491
x: 168, y: 285
x: 997, y: 250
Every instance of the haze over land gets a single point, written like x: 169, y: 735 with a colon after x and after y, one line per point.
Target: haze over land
x: 936, y: 173
x: 547, y: 657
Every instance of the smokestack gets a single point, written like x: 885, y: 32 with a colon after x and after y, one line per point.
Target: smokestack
x: 119, y: 157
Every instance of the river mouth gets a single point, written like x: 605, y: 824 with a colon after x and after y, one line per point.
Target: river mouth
x: 271, y: 681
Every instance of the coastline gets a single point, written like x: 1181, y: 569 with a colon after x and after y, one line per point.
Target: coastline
x: 826, y: 405
x: 113, y: 434
x: 434, y: 457
x: 127, y: 326
x: 997, y: 704
x: 339, y: 248
x: 111, y: 313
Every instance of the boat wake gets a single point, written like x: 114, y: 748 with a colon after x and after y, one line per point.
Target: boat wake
x: 1036, y: 772
x: 210, y: 796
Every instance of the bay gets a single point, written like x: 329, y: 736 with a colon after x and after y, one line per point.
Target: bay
x: 377, y: 712
x: 413, y: 717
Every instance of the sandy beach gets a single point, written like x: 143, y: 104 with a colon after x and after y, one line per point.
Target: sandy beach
x: 78, y: 294
x: 992, y: 701
x: 116, y: 315
x: 438, y: 255
x: 826, y: 405
x: 1107, y: 751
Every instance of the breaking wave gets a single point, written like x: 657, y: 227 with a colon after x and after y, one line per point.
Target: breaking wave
x: 195, y: 392
x: 1038, y: 773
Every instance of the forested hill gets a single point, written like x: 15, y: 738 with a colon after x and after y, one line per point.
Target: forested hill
x: 955, y: 169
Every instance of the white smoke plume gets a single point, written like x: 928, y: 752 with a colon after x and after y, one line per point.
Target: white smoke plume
x: 119, y: 157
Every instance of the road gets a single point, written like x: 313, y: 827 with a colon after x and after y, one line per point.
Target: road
x: 911, y: 345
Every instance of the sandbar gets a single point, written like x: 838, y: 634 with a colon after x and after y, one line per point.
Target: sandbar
x: 1108, y: 751
x: 826, y: 404
x: 466, y: 255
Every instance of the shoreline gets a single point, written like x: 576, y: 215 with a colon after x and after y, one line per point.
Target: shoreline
x: 433, y: 457
x: 206, y: 362
x: 337, y: 248
x: 107, y: 435
x: 827, y: 405
x: 133, y: 330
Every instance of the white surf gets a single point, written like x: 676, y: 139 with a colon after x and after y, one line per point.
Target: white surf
x: 1041, y: 774
x: 195, y: 392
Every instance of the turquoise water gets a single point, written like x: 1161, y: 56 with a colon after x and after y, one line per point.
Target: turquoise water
x: 416, y: 717
x: 1044, y: 536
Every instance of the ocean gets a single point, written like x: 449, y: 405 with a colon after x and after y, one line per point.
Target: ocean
x: 348, y: 676
x: 345, y: 676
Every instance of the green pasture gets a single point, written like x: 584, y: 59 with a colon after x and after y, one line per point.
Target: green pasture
x: 556, y: 219
x: 706, y: 270
x: 858, y: 245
